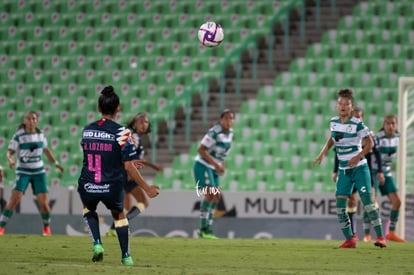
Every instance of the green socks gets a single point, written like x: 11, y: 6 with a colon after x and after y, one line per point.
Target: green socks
x: 204, y: 215
x: 45, y: 218
x: 4, y: 218
x: 207, y: 214
x: 393, y: 219
x: 343, y: 217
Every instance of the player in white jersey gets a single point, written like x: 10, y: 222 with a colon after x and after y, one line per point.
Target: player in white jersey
x: 386, y: 142
x: 353, y: 200
x: 347, y: 134
x: 29, y: 143
x: 209, y: 165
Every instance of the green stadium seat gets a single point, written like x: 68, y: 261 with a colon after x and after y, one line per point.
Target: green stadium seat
x: 55, y: 49
x: 299, y: 186
x: 275, y: 179
x: 328, y: 187
x: 237, y: 163
x: 161, y: 181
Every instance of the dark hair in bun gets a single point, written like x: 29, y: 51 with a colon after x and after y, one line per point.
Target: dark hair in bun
x: 108, y: 101
x: 108, y: 90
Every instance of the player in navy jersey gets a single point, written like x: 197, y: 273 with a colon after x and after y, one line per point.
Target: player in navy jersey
x: 139, y: 126
x: 347, y: 134
x: 29, y: 144
x: 209, y: 165
x: 108, y: 151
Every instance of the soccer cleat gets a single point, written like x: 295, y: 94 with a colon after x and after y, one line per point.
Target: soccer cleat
x: 350, y: 243
x: 207, y: 234
x: 111, y: 233
x: 391, y: 236
x: 46, y: 231
x: 355, y: 237
x: 127, y: 261
x: 1, y: 231
x: 380, y: 242
x: 367, y: 238
x: 98, y: 251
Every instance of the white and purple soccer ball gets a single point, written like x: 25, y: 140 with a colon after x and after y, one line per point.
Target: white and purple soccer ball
x: 210, y: 34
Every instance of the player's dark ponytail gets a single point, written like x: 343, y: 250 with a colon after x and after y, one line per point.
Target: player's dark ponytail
x: 108, y: 101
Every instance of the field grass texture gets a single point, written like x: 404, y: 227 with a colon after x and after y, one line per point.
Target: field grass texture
x: 31, y: 254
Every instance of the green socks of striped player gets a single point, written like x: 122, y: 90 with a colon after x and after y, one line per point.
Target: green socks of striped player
x: 45, y: 218
x: 211, y: 211
x: 343, y: 217
x: 4, y: 218
x: 372, y: 213
x: 204, y: 213
x: 207, y: 214
x: 366, y: 224
x: 393, y: 219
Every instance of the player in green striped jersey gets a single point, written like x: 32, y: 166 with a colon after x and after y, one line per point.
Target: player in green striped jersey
x: 209, y: 165
x: 347, y: 134
x: 353, y: 200
x: 386, y: 141
x: 29, y: 143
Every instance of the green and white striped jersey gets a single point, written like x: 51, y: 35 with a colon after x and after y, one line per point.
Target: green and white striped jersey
x: 218, y: 144
x: 29, y: 150
x: 347, y: 138
x: 387, y: 146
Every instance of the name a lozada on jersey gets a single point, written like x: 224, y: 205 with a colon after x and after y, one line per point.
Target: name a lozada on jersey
x: 96, y: 146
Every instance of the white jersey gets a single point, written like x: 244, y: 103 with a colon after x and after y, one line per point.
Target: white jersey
x: 218, y: 144
x: 29, y: 150
x: 387, y: 146
x: 347, y: 138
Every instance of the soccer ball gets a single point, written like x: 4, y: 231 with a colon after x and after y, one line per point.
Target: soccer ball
x: 210, y: 34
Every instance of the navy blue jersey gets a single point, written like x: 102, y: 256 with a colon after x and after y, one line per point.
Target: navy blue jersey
x: 106, y: 145
x: 139, y: 145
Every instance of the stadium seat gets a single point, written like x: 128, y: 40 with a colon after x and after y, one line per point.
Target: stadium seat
x: 68, y: 49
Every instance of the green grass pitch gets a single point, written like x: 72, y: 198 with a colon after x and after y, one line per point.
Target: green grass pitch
x: 30, y: 254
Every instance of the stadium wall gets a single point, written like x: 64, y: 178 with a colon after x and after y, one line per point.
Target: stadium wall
x: 175, y: 214
x: 228, y: 227
x: 171, y: 203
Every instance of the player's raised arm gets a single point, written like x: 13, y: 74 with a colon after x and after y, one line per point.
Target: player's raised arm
x: 136, y: 176
x: 328, y: 144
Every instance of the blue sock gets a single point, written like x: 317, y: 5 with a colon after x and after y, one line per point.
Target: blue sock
x: 123, y: 237
x: 92, y: 220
